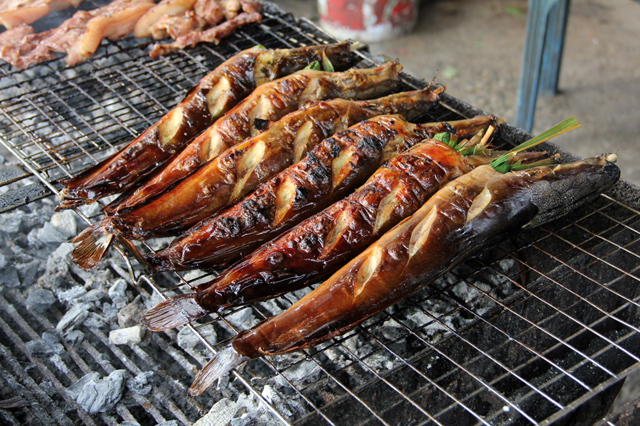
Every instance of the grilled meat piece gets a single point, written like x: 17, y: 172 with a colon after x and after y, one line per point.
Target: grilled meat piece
x: 18, y: 12
x: 457, y: 221
x: 194, y: 29
x: 331, y: 170
x: 78, y: 36
x: 214, y: 95
x: 164, y: 9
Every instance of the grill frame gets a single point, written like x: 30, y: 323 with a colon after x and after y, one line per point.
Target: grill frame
x: 48, y: 166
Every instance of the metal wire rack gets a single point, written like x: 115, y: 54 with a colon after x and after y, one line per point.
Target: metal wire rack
x: 542, y: 325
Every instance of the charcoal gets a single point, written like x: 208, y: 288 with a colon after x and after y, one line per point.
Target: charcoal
x: 49, y: 344
x: 130, y: 314
x: 53, y: 340
x: 97, y: 395
x: 39, y: 299
x: 38, y: 348
x: 47, y: 235
x: 95, y: 320
x: 9, y: 277
x: 11, y: 223
x: 28, y: 272
x: 126, y: 336
x: 74, y: 338
x: 220, y: 414
x: 243, y: 319
x: 117, y: 293
x: 188, y: 340
x: 284, y: 405
x: 74, y: 317
x: 65, y: 223
x: 92, y: 297
x: 56, y: 360
x: 140, y: 384
x: 110, y: 314
x: 73, y: 295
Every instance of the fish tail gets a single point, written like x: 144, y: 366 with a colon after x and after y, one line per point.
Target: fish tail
x: 173, y: 312
x: 224, y: 361
x: 93, y: 243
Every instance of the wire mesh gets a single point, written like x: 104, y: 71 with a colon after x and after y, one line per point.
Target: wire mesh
x: 523, y: 334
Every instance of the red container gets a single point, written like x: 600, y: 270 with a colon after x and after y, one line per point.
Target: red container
x: 368, y: 20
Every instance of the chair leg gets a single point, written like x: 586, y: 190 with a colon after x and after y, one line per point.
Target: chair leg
x: 553, y: 48
x: 546, y: 23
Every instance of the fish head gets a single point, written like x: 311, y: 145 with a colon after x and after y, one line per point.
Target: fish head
x: 562, y: 188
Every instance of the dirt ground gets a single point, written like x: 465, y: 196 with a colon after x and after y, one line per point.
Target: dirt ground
x: 475, y: 48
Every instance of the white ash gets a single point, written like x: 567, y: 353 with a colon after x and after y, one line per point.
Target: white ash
x: 131, y: 313
x: 73, y: 317
x: 285, y: 405
x: 39, y: 299
x: 188, y: 340
x: 97, y: 395
x: 196, y: 277
x: 49, y: 344
x: 220, y: 414
x: 127, y: 336
x: 117, y: 293
x: 74, y: 338
x: 300, y: 373
x: 242, y: 319
x: 59, y: 363
x: 140, y: 383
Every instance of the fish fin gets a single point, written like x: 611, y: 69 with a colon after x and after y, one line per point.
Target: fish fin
x: 175, y: 311
x: 142, y: 259
x: 224, y: 361
x: 93, y: 242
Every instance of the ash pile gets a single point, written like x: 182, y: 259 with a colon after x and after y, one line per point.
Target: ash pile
x: 73, y: 350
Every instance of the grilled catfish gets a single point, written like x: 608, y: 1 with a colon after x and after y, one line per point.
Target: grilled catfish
x: 456, y: 222
x: 330, y: 171
x: 177, y: 209
x: 215, y: 94
x: 269, y: 102
x: 319, y: 245
x: 225, y: 178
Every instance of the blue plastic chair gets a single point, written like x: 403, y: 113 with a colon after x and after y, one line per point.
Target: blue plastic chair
x: 543, y: 45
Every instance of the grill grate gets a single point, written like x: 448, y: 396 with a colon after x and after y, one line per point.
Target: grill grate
x: 544, y: 324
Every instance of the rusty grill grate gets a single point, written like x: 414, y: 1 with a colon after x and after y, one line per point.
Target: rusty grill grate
x: 544, y: 324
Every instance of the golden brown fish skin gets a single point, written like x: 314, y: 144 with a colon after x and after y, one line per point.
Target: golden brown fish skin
x: 235, y: 79
x: 318, y: 246
x: 236, y: 171
x: 458, y: 220
x: 267, y: 103
x: 239, y: 229
x: 232, y: 174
